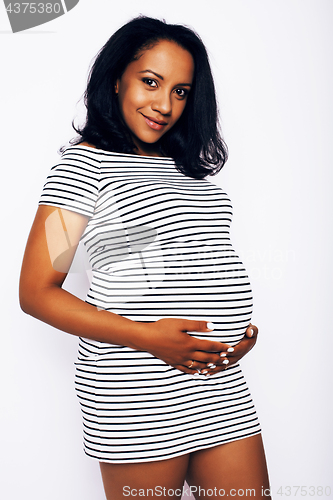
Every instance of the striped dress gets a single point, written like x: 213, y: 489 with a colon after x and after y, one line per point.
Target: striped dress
x: 158, y: 245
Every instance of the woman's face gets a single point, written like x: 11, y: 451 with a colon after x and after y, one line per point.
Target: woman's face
x: 152, y: 93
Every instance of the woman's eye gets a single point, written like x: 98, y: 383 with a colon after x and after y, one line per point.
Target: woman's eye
x: 182, y: 93
x: 150, y: 82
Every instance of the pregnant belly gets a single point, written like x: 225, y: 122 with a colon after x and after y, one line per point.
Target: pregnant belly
x: 224, y: 300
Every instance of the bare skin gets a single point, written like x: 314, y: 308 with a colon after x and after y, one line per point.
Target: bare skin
x: 152, y: 93
x: 237, y: 469
x: 234, y: 467
x: 169, y: 474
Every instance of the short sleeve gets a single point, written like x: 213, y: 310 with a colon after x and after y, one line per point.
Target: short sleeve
x: 73, y: 183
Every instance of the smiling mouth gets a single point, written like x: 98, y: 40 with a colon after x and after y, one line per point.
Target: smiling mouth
x: 153, y: 123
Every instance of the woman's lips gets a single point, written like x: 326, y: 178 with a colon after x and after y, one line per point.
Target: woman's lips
x: 153, y: 123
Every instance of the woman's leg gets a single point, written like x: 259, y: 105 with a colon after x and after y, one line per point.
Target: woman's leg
x: 123, y: 481
x: 237, y: 469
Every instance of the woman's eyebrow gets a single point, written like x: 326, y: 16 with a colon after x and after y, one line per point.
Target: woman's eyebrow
x: 161, y: 77
x: 151, y: 71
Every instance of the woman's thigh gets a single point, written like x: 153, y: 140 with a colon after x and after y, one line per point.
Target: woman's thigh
x: 237, y: 469
x: 162, y: 479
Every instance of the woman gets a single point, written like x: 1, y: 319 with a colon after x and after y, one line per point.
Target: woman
x: 162, y: 395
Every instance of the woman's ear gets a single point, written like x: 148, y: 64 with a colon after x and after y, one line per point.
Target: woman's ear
x: 116, y: 86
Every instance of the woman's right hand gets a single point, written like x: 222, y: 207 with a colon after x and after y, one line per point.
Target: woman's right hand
x: 169, y: 341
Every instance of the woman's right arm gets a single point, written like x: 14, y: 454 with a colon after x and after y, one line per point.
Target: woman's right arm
x: 50, y: 249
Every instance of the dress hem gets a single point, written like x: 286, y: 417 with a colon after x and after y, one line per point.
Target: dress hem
x: 173, y: 455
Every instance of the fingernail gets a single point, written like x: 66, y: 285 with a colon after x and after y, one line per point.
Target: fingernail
x: 252, y: 332
x: 196, y: 374
x: 210, y: 325
x: 204, y: 372
x: 211, y: 365
x: 223, y: 354
x: 226, y: 362
x: 230, y: 349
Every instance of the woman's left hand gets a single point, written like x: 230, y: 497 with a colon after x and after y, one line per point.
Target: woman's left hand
x: 240, y: 349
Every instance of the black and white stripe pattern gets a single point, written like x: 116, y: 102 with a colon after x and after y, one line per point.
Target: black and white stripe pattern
x: 158, y: 243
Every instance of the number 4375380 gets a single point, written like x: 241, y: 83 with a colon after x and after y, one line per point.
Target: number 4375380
x: 33, y: 8
x: 311, y: 491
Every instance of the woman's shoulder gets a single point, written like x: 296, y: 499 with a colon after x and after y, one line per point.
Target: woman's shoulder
x: 85, y: 151
x: 85, y: 148
x: 81, y: 146
x: 87, y: 145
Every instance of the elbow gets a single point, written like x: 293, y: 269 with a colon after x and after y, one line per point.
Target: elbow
x: 28, y: 297
x: 31, y: 303
x: 24, y: 301
x: 29, y: 294
x: 35, y: 300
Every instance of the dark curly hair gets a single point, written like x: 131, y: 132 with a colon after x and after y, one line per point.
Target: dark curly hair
x: 194, y: 142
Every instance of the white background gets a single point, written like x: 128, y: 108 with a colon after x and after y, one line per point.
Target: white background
x: 272, y: 61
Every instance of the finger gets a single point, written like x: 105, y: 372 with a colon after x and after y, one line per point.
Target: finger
x: 251, y: 331
x: 221, y: 366
x: 190, y: 371
x: 207, y: 357
x: 197, y: 366
x: 190, y: 325
x: 212, y: 346
x: 210, y: 370
x: 234, y: 361
x: 228, y: 352
x: 242, y: 348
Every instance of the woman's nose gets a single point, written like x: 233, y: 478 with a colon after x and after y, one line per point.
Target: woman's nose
x: 162, y: 103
